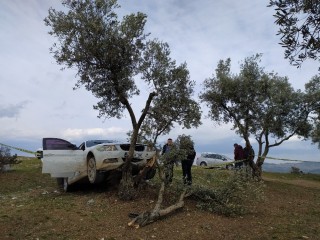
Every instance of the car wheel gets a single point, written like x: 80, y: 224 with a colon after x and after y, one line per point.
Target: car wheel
x: 203, y: 164
x: 93, y: 175
x: 63, y: 184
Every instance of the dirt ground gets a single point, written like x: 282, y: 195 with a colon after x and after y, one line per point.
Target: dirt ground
x: 291, y: 210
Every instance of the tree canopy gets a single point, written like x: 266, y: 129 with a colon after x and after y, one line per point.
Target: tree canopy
x: 109, y: 55
x: 112, y: 58
x: 257, y: 103
x: 313, y: 101
x: 299, y: 23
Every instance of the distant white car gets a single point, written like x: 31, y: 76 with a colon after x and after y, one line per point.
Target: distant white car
x: 92, y: 159
x: 211, y: 159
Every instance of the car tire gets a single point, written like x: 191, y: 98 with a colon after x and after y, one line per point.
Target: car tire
x: 203, y: 164
x: 63, y: 184
x: 94, y: 176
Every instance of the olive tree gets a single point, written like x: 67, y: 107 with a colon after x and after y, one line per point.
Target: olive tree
x: 258, y: 104
x: 299, y: 28
x: 313, y: 101
x: 110, y: 56
x: 164, y: 113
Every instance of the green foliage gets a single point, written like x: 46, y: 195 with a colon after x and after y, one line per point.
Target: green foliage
x: 295, y: 170
x: 185, y: 143
x: 232, y: 197
x: 299, y: 28
x: 182, y: 146
x: 105, y: 51
x: 110, y: 54
x: 257, y: 103
x: 6, y: 158
x: 175, y: 155
x: 313, y: 102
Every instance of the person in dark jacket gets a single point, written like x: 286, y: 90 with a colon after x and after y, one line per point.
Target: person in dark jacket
x: 248, y: 153
x: 238, y: 155
x: 249, y: 156
x: 187, y: 165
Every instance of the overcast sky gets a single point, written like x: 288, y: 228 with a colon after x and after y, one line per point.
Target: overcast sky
x: 37, y: 99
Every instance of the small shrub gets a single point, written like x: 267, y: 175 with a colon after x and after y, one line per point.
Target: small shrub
x: 295, y: 170
x: 6, y: 158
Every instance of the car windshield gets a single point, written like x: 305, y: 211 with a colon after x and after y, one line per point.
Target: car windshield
x: 209, y: 155
x: 91, y: 143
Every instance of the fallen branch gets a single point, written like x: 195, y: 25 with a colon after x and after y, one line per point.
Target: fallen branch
x: 148, y: 217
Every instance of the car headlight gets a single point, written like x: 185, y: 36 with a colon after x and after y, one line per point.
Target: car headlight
x: 106, y: 148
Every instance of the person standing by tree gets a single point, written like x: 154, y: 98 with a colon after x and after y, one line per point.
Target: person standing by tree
x: 238, y: 155
x: 186, y: 155
x: 249, y: 156
x: 187, y: 165
x: 167, y: 151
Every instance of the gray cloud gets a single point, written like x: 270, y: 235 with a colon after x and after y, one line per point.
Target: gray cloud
x: 199, y: 33
x: 12, y: 110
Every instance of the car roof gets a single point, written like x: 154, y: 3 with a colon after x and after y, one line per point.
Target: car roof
x: 216, y: 154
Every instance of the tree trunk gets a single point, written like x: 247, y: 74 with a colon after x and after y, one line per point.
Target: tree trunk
x: 260, y: 159
x: 256, y: 172
x: 126, y: 187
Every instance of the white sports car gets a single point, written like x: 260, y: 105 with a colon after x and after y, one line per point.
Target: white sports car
x: 92, y: 159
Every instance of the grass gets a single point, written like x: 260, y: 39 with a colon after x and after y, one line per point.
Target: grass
x: 33, y: 208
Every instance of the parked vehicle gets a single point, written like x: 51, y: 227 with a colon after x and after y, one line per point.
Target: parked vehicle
x: 211, y: 159
x: 92, y: 159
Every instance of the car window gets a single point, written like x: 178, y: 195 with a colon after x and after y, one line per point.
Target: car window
x: 56, y: 144
x: 82, y: 146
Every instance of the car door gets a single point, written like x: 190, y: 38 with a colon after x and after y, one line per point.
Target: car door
x: 61, y: 158
x: 209, y: 159
x: 214, y: 159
